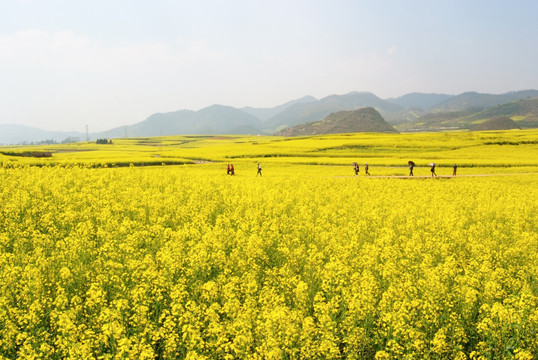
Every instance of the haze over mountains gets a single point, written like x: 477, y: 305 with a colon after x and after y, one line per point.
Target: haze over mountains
x: 410, y: 112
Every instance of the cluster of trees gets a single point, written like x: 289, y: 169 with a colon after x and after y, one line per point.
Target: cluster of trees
x: 67, y: 140
x: 103, y: 141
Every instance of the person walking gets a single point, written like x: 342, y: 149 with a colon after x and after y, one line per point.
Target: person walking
x: 366, y: 169
x: 411, y: 167
x: 232, y: 169
x: 455, y: 167
x: 259, y: 170
x: 356, y: 167
x: 433, y: 169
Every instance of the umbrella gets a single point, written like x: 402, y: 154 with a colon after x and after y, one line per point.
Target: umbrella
x: 410, y: 163
x: 432, y: 164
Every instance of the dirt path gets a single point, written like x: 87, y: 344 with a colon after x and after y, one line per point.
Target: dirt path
x: 439, y: 176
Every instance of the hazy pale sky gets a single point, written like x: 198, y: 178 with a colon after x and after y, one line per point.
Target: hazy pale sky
x: 108, y: 63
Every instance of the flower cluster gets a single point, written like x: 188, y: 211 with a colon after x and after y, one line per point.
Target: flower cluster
x: 168, y: 262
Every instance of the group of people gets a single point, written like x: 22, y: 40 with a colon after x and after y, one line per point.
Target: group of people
x: 432, y: 169
x: 230, y: 170
x: 356, y: 168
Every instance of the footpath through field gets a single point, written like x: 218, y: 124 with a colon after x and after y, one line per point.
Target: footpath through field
x: 438, y: 176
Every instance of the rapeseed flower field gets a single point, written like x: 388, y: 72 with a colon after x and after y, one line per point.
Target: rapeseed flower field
x: 99, y: 261
x: 478, y: 152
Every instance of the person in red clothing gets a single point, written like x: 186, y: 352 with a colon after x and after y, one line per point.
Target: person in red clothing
x: 228, y: 169
x: 232, y: 169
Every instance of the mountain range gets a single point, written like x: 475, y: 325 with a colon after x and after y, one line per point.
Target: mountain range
x: 410, y: 112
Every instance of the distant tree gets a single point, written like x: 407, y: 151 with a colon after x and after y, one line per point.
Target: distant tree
x: 46, y: 142
x: 70, y: 139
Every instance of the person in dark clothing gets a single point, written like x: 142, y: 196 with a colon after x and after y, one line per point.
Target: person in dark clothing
x: 433, y: 170
x: 356, y: 167
x: 366, y: 169
x: 411, y: 167
x: 455, y: 167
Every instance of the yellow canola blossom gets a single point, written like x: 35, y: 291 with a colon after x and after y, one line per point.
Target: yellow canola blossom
x: 169, y: 262
x: 480, y: 152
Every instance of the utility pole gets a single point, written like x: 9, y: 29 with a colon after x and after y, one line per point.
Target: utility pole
x: 87, y: 134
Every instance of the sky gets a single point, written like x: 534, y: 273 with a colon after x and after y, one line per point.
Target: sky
x: 65, y: 64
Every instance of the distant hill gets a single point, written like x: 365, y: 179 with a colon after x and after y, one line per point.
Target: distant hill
x: 266, y: 113
x: 11, y: 134
x: 420, y: 101
x: 482, y: 101
x: 316, y: 111
x: 176, y: 122
x: 432, y: 112
x: 220, y: 119
x: 523, y: 112
x: 215, y: 119
x: 361, y: 120
x: 496, y: 123
x: 410, y: 112
x: 414, y: 105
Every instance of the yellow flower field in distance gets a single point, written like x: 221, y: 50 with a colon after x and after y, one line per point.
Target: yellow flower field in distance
x: 509, y: 151
x: 101, y: 258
